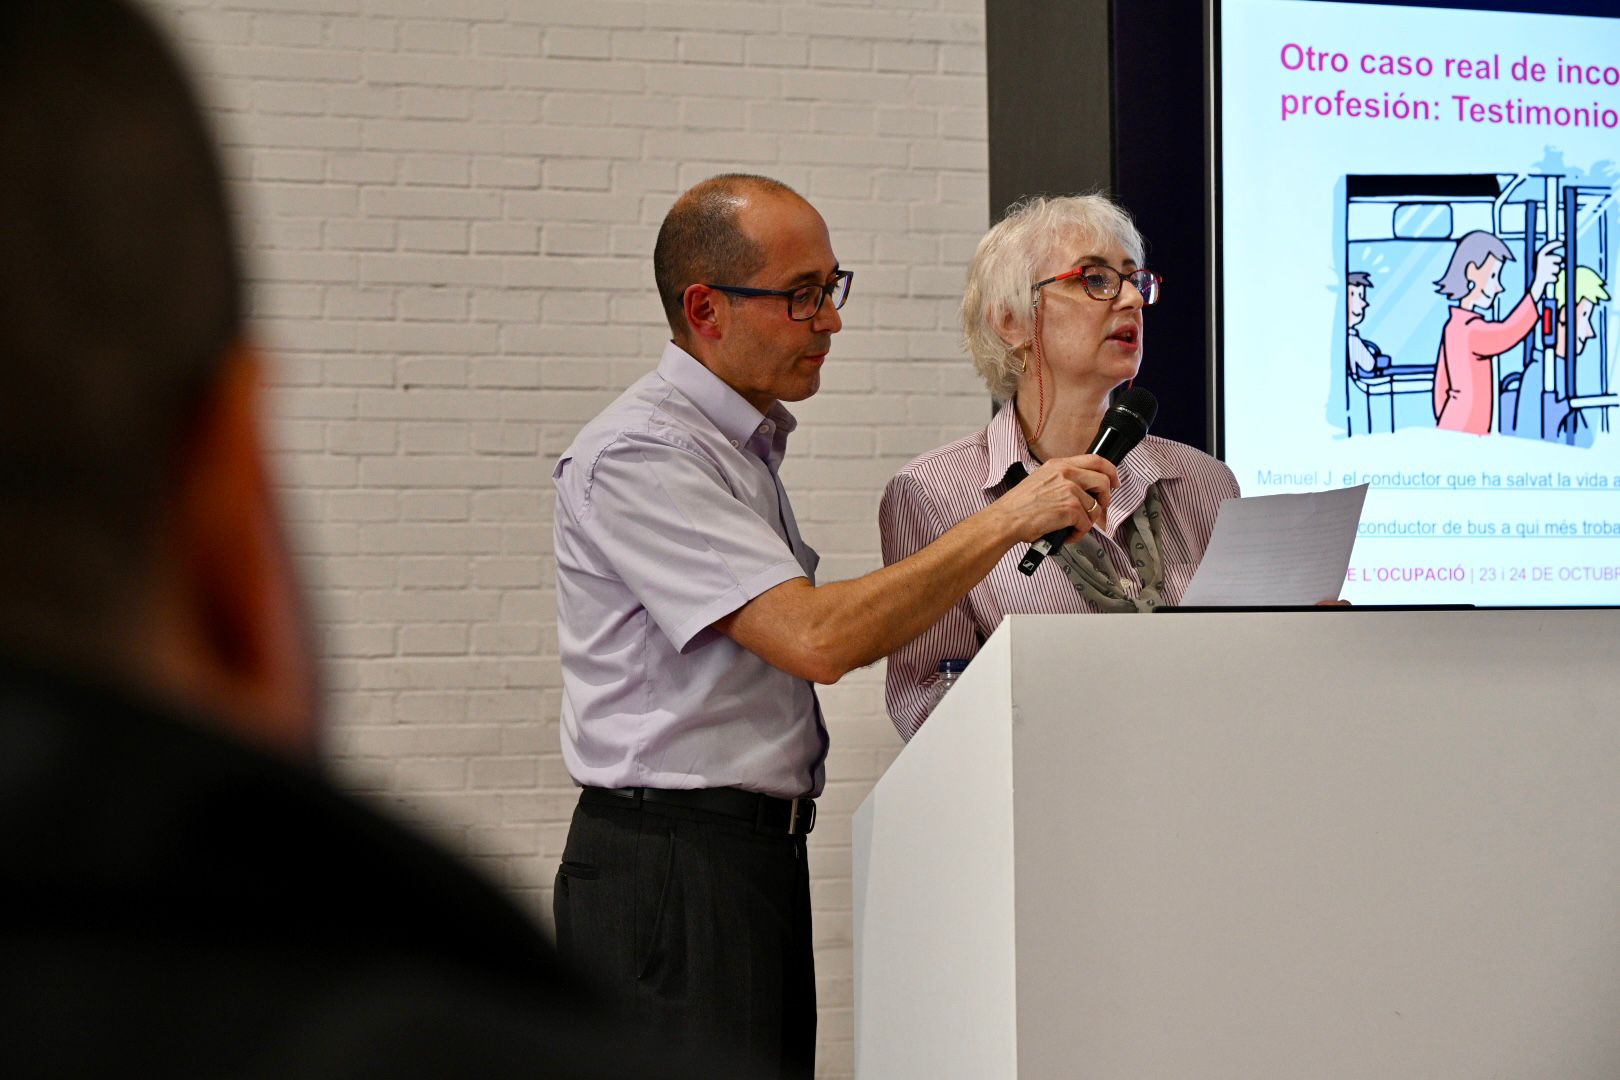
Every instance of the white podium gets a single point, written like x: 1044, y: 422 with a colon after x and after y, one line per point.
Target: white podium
x: 1314, y: 844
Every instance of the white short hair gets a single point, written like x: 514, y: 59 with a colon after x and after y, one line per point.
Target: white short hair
x: 1007, y: 260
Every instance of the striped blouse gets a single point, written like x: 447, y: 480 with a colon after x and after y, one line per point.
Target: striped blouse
x: 943, y: 486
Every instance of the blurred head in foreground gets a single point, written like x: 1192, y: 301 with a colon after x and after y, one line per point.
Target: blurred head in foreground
x: 179, y: 901
x: 138, y: 535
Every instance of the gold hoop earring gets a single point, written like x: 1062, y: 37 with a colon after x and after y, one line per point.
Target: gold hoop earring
x: 1023, y: 364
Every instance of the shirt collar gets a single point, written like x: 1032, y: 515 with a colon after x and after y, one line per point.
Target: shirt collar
x: 1151, y: 460
x: 726, y: 409
x: 1005, y: 442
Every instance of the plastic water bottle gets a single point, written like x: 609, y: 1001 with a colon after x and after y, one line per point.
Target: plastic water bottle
x: 948, y: 672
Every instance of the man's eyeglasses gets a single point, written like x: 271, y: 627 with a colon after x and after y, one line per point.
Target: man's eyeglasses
x: 1104, y: 282
x: 805, y: 301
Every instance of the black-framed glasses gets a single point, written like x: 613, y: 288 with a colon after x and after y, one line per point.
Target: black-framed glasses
x: 805, y: 301
x: 1103, y: 282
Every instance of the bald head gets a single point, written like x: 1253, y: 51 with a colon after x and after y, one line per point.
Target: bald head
x: 703, y: 239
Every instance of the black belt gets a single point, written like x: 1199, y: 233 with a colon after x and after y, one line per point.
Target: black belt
x: 767, y: 813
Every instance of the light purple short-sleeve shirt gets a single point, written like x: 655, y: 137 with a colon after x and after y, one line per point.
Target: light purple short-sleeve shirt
x: 670, y: 515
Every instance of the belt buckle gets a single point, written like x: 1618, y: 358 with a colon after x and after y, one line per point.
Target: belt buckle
x: 793, y: 816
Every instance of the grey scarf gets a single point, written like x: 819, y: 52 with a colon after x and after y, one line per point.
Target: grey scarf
x: 1088, y: 567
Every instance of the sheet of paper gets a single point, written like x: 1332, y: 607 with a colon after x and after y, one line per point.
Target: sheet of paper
x: 1278, y: 549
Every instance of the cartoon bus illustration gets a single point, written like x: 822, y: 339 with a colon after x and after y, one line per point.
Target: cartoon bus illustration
x: 1476, y: 303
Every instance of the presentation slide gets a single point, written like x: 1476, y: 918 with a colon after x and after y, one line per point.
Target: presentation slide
x: 1416, y: 289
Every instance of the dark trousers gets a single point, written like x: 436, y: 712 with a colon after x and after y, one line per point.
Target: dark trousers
x: 698, y: 926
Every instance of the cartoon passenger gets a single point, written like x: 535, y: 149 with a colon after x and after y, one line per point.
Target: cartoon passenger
x: 1363, y: 353
x: 1464, y: 390
x: 1590, y: 290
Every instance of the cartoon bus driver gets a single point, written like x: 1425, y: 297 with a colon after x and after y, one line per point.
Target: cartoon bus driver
x: 1363, y: 353
x: 1464, y: 389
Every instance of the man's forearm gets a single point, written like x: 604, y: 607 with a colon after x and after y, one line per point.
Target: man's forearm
x: 865, y: 619
x: 824, y: 632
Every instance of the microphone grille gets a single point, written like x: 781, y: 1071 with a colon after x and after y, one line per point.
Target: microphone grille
x: 1139, y: 403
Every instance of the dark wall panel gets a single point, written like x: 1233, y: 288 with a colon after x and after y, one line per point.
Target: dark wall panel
x: 1049, y: 77
x: 1099, y: 95
x: 1159, y: 174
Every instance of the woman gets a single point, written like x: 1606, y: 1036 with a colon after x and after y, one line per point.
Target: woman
x: 1464, y: 386
x: 1053, y: 319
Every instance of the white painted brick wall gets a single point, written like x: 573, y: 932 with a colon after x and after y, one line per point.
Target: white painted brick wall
x: 451, y: 206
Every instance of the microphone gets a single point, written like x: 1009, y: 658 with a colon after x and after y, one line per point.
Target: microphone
x: 1124, y: 425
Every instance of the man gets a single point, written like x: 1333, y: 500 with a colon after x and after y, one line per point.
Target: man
x: 1590, y: 290
x: 182, y: 893
x: 1533, y: 402
x: 1363, y: 354
x: 691, y: 630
